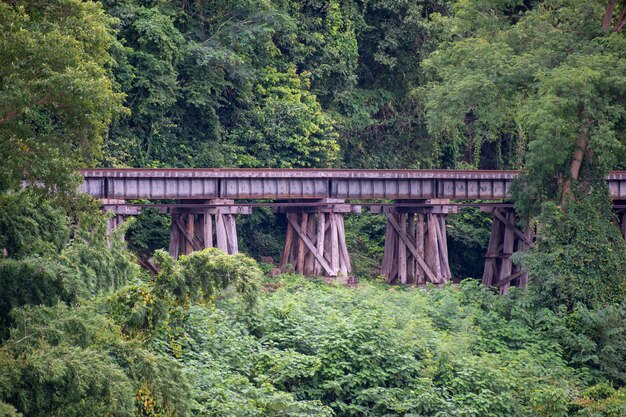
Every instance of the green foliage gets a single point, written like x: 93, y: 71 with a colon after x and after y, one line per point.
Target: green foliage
x: 310, y: 348
x: 72, y: 362
x: 580, y: 256
x: 530, y: 80
x: 201, y: 275
x: 55, y: 257
x: 56, y: 95
x: 286, y: 126
x: 150, y: 231
x: 29, y: 225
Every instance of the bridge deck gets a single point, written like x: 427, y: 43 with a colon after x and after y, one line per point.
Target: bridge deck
x: 271, y: 184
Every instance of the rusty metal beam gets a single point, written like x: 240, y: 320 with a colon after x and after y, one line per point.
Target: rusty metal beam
x: 272, y: 184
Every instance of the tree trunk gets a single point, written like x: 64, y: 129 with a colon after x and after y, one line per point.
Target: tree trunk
x: 608, y: 15
x: 621, y: 20
x: 575, y: 165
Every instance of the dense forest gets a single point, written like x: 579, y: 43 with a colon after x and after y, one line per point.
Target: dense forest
x: 534, y: 85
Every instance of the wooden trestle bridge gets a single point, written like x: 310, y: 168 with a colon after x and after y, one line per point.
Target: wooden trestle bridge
x: 206, y: 203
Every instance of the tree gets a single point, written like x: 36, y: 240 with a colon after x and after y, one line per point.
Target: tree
x: 544, y: 81
x: 56, y: 96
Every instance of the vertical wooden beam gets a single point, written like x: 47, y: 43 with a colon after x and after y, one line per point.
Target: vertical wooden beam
x: 220, y: 231
x: 432, y: 249
x: 334, y: 244
x: 288, y: 244
x: 174, y: 246
x: 419, y: 245
x: 624, y: 226
x: 440, y: 227
x: 402, y: 249
x: 231, y: 234
x: 523, y: 280
x: 344, y: 255
x: 410, y: 258
x: 208, y: 229
x: 321, y: 231
x: 304, y: 219
x: 492, y: 252
x: 387, y: 251
x: 309, y: 258
x: 506, y: 268
x: 190, y: 231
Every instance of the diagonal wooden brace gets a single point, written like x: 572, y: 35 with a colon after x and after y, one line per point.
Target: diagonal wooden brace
x: 411, y: 247
x: 512, y: 226
x: 311, y: 246
x: 189, y: 238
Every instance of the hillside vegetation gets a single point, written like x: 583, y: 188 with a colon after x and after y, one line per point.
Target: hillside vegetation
x: 535, y: 85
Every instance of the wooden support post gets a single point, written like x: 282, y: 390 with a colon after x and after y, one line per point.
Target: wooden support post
x: 304, y: 219
x: 492, y: 253
x: 419, y: 243
x: 624, y: 225
x: 345, y: 265
x: 189, y: 247
x: 388, y: 255
x: 505, y: 239
x: 321, y: 232
x: 443, y: 239
x: 334, y: 244
x: 432, y: 250
x: 174, y: 246
x: 507, y: 250
x: 410, y: 258
x: 315, y: 243
x: 429, y: 273
x: 220, y: 231
x: 402, y: 249
x: 208, y: 229
x: 309, y: 259
x: 288, y: 244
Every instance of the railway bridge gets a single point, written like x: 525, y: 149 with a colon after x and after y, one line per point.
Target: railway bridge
x: 204, y: 204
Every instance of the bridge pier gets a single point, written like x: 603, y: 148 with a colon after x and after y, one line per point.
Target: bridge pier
x: 416, y: 247
x: 199, y: 228
x: 315, y: 243
x: 506, y: 238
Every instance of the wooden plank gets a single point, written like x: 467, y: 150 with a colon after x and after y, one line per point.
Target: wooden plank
x: 310, y: 245
x: 220, y: 232
x: 284, y: 260
x: 321, y: 231
x: 334, y: 244
x: 507, y: 280
x: 344, y: 256
x: 402, y: 248
x: 304, y: 219
x: 419, y: 244
x: 409, y: 245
